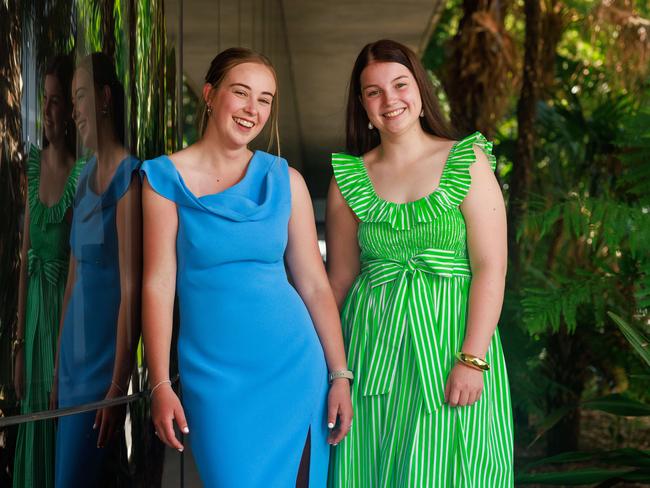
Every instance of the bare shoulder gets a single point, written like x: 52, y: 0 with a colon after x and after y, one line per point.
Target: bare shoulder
x: 438, y: 148
x: 372, y: 156
x: 295, y: 177
x: 185, y: 157
x: 299, y: 191
x: 481, y: 157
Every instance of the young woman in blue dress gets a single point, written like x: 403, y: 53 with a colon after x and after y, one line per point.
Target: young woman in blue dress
x: 220, y: 221
x: 100, y: 323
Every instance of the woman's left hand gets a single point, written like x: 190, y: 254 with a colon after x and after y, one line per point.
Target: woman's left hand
x: 464, y: 386
x: 339, y: 405
x: 109, y: 419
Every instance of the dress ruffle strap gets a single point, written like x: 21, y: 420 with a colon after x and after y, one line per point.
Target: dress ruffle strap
x: 357, y: 190
x: 40, y: 214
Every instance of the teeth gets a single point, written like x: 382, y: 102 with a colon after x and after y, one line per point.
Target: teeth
x: 246, y: 123
x: 394, y: 113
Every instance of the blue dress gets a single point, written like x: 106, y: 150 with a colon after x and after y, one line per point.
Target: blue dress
x: 252, y: 368
x: 87, y: 351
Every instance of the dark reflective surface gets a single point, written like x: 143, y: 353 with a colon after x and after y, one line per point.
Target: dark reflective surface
x: 94, y: 95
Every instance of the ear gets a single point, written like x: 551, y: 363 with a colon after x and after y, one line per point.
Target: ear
x: 207, y: 92
x: 107, y: 96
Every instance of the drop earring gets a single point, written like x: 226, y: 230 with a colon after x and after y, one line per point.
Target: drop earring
x: 209, y: 111
x: 370, y: 126
x: 422, y: 113
x: 105, y: 111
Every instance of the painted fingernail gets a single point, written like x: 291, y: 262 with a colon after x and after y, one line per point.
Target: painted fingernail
x: 186, y: 430
x: 330, y: 425
x: 180, y: 449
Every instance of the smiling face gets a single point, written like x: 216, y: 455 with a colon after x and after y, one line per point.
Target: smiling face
x: 84, y: 103
x: 241, y: 104
x: 390, y: 96
x: 54, y: 109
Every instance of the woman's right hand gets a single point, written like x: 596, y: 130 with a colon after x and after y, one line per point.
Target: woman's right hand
x: 165, y: 409
x: 19, y: 373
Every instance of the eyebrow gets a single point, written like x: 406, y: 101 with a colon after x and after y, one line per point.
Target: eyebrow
x: 249, y: 88
x: 392, y: 81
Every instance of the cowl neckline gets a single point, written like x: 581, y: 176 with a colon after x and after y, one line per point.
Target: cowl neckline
x: 251, y: 198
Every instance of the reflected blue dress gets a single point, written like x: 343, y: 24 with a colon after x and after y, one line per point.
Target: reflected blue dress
x: 87, y: 350
x: 252, y: 369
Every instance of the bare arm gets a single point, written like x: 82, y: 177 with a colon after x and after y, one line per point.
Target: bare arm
x: 306, y: 267
x: 307, y: 270
x: 342, y: 245
x: 160, y: 219
x: 485, y: 218
x: 19, y: 360
x: 22, y: 282
x: 128, y: 221
x: 129, y: 237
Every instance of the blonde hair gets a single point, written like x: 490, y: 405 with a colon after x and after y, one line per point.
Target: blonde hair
x: 219, y: 68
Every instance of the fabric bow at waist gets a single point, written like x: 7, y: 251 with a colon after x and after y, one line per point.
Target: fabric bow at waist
x: 53, y: 268
x: 410, y: 301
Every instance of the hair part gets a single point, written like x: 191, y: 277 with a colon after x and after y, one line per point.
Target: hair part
x: 102, y: 70
x: 62, y: 68
x: 219, y: 68
x: 358, y: 138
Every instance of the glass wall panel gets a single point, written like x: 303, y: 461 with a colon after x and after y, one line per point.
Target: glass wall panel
x: 93, y: 93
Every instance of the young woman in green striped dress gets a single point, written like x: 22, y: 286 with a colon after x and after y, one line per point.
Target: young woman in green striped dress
x: 416, y: 247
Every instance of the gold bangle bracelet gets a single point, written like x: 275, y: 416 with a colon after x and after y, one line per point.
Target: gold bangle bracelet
x: 472, y: 361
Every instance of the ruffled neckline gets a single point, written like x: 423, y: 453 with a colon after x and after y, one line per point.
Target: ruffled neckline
x: 357, y: 188
x: 39, y: 213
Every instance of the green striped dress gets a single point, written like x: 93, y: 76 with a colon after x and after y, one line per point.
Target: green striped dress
x: 47, y: 269
x: 403, y: 321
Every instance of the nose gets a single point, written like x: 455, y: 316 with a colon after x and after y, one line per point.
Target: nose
x: 251, y: 107
x: 389, y: 96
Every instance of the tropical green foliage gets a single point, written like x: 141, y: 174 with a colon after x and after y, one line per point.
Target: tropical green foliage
x: 580, y: 304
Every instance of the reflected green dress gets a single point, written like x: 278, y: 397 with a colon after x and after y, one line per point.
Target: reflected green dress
x: 403, y: 321
x: 47, y: 267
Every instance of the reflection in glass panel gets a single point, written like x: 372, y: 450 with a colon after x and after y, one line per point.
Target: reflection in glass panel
x: 100, y: 325
x: 87, y: 120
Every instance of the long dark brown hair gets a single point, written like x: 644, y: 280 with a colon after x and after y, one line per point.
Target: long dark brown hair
x: 359, y: 139
x: 62, y: 68
x: 102, y: 70
x: 219, y: 67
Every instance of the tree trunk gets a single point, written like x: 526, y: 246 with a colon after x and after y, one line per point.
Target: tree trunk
x: 479, y: 69
x: 524, y: 150
x: 567, y: 361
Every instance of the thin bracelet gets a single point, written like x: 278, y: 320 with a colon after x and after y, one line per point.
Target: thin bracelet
x: 121, y: 390
x: 341, y: 373
x: 160, y: 383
